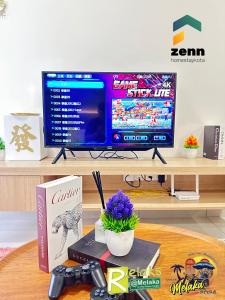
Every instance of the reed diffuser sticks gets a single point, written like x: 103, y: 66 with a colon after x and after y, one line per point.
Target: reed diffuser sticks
x: 98, y: 182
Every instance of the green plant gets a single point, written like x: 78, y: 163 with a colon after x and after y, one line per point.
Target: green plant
x: 109, y: 223
x: 2, y: 144
x: 119, y: 215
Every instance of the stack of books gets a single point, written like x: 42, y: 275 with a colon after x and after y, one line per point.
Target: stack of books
x: 143, y: 254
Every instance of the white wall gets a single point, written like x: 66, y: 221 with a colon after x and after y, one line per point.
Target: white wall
x: 103, y: 35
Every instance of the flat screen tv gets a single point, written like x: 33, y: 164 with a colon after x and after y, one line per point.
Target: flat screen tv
x: 104, y: 111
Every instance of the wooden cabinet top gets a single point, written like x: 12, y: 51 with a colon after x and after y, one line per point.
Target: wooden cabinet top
x: 84, y: 166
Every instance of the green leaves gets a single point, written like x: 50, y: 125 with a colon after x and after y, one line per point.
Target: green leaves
x: 109, y: 223
x: 191, y: 146
x: 2, y: 144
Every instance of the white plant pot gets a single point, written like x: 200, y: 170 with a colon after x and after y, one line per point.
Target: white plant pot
x: 119, y: 244
x: 2, y: 154
x: 191, y: 153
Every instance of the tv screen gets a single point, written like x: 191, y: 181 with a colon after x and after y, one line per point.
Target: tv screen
x: 120, y: 111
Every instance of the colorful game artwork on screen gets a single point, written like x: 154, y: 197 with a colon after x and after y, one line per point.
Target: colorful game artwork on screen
x: 109, y: 110
x: 143, y: 108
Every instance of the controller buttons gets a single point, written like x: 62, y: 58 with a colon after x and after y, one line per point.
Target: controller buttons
x: 61, y: 270
x: 69, y: 269
x: 85, y: 267
x: 101, y: 293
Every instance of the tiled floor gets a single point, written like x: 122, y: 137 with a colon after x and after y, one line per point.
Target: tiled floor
x: 19, y: 228
x: 16, y: 228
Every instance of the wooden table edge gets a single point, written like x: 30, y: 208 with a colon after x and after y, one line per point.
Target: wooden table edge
x: 161, y: 227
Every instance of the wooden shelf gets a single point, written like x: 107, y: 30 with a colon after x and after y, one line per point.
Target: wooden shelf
x: 208, y: 200
x: 82, y: 166
x: 18, y: 180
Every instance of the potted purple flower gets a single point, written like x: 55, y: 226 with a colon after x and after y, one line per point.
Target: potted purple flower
x: 119, y: 222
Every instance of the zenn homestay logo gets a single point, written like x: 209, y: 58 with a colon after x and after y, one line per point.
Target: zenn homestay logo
x: 178, y: 37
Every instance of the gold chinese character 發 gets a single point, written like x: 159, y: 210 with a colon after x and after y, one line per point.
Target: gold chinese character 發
x: 21, y: 137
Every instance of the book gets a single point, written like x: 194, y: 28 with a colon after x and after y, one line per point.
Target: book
x: 214, y: 142
x: 143, y: 254
x: 59, y: 219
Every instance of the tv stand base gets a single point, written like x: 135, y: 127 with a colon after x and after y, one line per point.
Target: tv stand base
x: 157, y: 153
x: 62, y: 152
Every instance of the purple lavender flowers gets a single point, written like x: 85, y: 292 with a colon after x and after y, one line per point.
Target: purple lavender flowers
x: 119, y: 206
x: 119, y: 215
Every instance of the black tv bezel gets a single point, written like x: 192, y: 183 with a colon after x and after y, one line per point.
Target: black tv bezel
x: 108, y: 148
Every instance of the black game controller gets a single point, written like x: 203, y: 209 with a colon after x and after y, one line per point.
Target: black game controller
x: 62, y: 276
x: 101, y: 294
